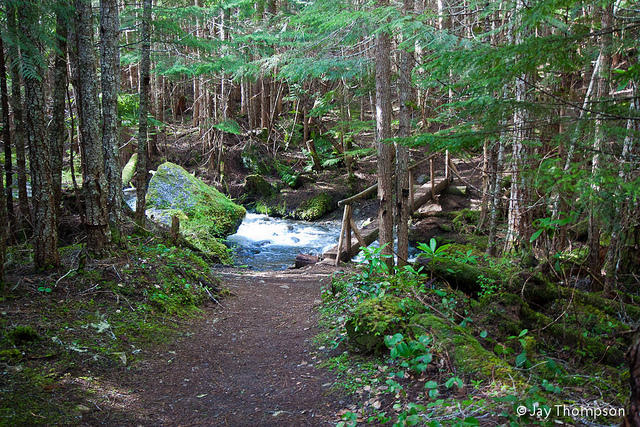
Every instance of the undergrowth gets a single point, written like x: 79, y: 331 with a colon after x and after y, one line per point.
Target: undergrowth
x: 414, y: 351
x: 65, y: 335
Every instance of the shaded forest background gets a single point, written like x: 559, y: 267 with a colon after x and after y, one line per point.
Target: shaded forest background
x: 543, y: 92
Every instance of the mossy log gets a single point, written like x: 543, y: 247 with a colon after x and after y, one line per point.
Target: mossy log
x: 465, y: 351
x: 611, y: 307
x: 459, y: 275
x: 594, y: 349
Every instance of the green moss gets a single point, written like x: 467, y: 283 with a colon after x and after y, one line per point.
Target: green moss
x: 465, y: 221
x: 461, y: 275
x: 314, y: 208
x: 23, y: 334
x: 468, y: 355
x: 10, y: 354
x: 612, y: 308
x: 373, y: 319
x: 206, y: 214
x: 256, y: 185
x: 574, y: 337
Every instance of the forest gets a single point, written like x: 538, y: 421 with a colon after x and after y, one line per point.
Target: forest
x: 513, y: 300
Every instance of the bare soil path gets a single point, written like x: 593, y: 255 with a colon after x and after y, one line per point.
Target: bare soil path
x: 249, y: 362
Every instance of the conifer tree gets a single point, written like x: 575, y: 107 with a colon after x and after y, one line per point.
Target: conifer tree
x: 94, y: 182
x: 110, y: 79
x: 385, y: 149
x: 45, y: 233
x: 145, y: 80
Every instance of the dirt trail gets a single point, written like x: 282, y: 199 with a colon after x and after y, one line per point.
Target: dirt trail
x: 249, y: 362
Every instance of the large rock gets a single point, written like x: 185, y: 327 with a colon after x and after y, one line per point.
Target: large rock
x: 205, y: 214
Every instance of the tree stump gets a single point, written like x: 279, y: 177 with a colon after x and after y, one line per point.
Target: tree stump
x: 632, y: 419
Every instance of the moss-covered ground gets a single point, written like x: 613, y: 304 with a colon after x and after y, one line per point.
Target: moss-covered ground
x: 63, y: 334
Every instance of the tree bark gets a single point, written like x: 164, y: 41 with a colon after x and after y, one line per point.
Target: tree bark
x: 145, y: 65
x: 496, y: 153
x: 632, y: 419
x: 265, y: 102
x: 385, y: 149
x: 402, y: 152
x: 110, y: 78
x: 94, y: 182
x: 602, y: 91
x: 517, y: 225
x: 45, y: 236
x: 57, y: 128
x: 24, y: 220
x: 7, y: 215
x: 6, y: 135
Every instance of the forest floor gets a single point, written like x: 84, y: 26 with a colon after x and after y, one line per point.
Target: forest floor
x: 250, y: 361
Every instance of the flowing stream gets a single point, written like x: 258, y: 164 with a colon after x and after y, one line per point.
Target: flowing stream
x: 265, y: 243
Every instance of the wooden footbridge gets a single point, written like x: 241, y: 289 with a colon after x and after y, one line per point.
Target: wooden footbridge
x: 352, y: 239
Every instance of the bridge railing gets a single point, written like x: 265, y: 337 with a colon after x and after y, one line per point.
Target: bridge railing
x: 349, y: 227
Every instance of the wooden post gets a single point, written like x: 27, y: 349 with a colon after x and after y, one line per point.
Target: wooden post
x: 411, y: 189
x: 447, y: 160
x: 348, y: 231
x: 343, y: 229
x: 361, y: 241
x: 174, y: 232
x: 433, y: 181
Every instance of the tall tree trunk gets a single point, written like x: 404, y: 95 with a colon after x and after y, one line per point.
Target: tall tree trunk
x: 45, y: 235
x: 25, y: 221
x: 57, y: 128
x: 385, y: 149
x: 265, y: 103
x: 602, y: 92
x: 402, y: 151
x: 94, y: 182
x: 517, y: 222
x: 5, y: 226
x: 110, y: 69
x: 497, y: 156
x: 145, y: 65
x: 621, y: 258
x: 7, y: 215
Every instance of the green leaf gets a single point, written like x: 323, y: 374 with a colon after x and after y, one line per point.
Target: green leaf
x: 535, y: 235
x: 521, y: 359
x: 229, y: 126
x: 509, y: 398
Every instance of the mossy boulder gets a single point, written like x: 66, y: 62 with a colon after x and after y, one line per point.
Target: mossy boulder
x: 315, y: 207
x: 257, y: 187
x: 374, y: 318
x: 206, y: 215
